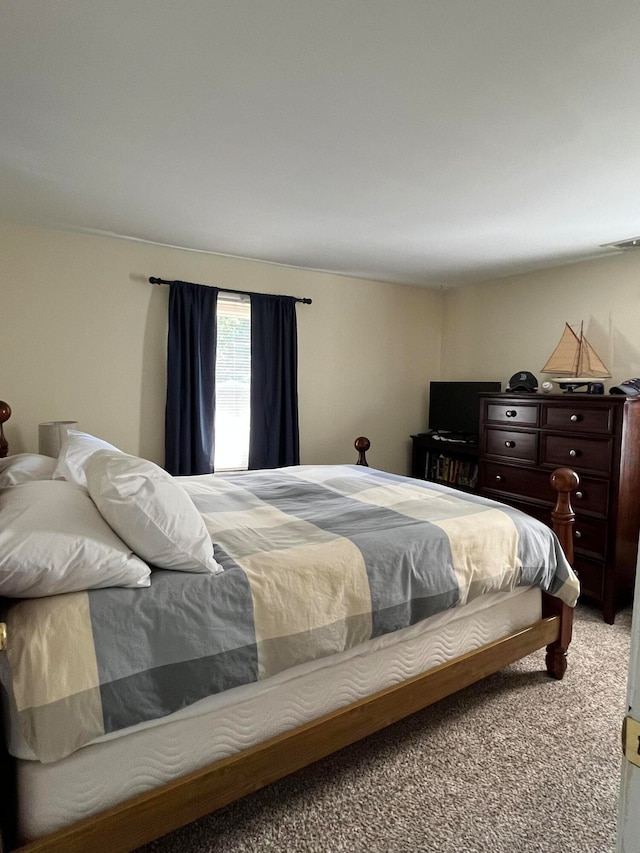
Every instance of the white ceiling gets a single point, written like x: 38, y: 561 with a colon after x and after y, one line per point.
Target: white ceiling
x: 422, y: 141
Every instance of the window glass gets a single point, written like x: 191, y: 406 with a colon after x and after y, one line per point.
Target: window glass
x: 233, y: 383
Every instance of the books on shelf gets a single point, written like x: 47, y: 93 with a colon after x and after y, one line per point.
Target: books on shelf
x: 451, y: 470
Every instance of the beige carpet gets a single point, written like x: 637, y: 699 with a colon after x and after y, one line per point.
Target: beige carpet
x: 516, y: 763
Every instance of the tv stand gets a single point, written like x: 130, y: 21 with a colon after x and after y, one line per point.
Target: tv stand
x: 452, y: 462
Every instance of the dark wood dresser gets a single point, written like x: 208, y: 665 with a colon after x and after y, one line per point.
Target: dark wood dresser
x: 523, y: 437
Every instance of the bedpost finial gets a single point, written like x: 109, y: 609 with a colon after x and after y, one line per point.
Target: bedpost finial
x: 362, y: 444
x: 5, y: 414
x: 565, y: 480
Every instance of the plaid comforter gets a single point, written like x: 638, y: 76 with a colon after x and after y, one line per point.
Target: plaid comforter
x: 317, y: 559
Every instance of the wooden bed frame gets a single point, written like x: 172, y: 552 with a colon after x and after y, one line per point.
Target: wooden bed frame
x: 152, y: 814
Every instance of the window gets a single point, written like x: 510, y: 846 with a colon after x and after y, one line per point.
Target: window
x: 233, y: 382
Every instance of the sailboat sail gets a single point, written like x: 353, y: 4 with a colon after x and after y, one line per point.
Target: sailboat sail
x: 574, y: 356
x: 592, y: 364
x: 565, y: 357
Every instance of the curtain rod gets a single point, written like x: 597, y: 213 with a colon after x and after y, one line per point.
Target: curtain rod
x: 154, y: 280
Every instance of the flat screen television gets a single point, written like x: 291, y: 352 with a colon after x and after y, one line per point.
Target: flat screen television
x: 454, y: 407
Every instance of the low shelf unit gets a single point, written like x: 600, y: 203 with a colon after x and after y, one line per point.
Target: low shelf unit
x: 452, y: 463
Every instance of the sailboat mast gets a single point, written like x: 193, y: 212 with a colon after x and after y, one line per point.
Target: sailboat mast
x: 581, y: 353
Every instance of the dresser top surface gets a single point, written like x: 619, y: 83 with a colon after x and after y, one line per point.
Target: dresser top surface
x: 566, y: 397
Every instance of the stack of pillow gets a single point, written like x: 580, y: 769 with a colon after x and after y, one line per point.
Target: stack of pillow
x: 95, y: 517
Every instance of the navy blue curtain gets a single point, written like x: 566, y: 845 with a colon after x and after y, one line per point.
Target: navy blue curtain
x: 274, y: 382
x: 191, y: 355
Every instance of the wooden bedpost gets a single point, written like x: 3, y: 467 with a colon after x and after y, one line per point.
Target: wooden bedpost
x: 564, y: 481
x: 362, y: 444
x: 5, y: 414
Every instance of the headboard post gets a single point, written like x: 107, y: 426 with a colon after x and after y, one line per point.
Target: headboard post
x: 5, y: 414
x: 362, y: 444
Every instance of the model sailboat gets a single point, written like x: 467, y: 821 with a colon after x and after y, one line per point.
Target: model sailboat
x: 574, y: 361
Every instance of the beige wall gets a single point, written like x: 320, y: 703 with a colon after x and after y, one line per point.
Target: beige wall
x: 493, y: 330
x: 83, y: 336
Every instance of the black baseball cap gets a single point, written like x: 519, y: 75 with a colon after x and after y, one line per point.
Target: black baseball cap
x: 630, y: 387
x: 524, y: 381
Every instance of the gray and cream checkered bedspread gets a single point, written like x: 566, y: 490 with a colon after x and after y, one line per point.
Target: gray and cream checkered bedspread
x: 317, y: 559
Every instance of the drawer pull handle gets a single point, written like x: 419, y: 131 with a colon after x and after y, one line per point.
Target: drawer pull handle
x: 574, y: 418
x: 499, y: 478
x: 579, y: 495
x: 573, y: 453
x: 511, y: 413
x: 509, y: 444
x: 578, y: 535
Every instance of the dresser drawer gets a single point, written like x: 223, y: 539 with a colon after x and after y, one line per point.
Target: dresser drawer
x: 591, y: 575
x: 590, y: 537
x: 502, y: 480
x: 585, y: 455
x: 510, y: 444
x: 518, y: 414
x: 591, y: 496
x: 577, y: 418
x: 520, y: 482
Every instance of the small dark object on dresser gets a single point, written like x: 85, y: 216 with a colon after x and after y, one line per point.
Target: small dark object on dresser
x: 523, y: 382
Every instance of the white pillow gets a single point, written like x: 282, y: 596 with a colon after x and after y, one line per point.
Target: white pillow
x: 76, y: 449
x: 150, y: 511
x: 24, y: 467
x: 54, y: 540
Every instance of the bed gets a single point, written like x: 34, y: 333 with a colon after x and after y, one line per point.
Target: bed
x: 129, y: 710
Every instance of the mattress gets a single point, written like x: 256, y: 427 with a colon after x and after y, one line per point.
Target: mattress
x: 123, y: 764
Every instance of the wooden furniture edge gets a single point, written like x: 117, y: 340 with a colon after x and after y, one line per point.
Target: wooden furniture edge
x: 155, y: 813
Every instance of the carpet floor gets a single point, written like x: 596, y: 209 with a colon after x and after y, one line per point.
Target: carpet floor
x: 516, y: 764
